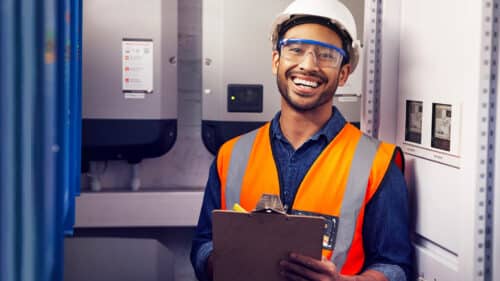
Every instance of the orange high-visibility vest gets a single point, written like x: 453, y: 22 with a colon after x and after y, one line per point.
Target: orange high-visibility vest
x: 338, y: 185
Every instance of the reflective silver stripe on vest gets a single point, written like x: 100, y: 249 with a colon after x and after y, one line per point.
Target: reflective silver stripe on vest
x: 237, y: 167
x: 354, y: 196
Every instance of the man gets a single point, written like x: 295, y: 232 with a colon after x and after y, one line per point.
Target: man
x: 315, y: 161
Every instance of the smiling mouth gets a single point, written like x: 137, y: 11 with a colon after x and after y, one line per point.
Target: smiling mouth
x: 306, y: 83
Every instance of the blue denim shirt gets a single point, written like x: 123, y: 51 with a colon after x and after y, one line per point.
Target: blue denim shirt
x: 386, y: 225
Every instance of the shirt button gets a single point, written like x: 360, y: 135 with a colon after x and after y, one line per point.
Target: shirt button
x: 285, y: 207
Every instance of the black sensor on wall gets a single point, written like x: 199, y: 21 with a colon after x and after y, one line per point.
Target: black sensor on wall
x: 245, y: 98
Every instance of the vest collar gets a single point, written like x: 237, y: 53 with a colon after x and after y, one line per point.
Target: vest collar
x: 329, y: 130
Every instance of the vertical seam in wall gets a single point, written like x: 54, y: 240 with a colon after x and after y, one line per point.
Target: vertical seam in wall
x: 486, y: 141
x: 373, y: 67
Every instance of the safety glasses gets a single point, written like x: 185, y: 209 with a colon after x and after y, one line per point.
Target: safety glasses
x: 326, y: 55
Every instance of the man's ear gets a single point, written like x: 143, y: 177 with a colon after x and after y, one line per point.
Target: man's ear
x: 345, y: 70
x: 275, y: 61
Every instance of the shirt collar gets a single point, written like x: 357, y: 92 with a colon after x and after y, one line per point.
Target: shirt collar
x: 329, y: 130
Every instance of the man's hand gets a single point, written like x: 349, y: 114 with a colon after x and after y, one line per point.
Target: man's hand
x: 299, y: 268
x: 302, y: 268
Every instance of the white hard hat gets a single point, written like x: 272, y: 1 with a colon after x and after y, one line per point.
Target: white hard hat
x: 334, y: 10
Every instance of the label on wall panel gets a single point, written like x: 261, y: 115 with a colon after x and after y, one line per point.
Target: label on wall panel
x: 441, y: 126
x: 137, y: 67
x: 413, y: 130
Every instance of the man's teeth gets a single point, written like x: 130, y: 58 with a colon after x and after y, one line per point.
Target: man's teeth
x: 311, y: 84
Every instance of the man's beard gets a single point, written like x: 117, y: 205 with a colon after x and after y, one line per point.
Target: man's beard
x: 326, y: 95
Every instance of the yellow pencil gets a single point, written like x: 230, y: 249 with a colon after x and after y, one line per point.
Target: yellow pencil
x: 238, y: 208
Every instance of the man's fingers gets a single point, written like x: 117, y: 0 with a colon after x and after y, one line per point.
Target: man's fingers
x: 296, y: 271
x: 292, y: 276
x: 320, y: 266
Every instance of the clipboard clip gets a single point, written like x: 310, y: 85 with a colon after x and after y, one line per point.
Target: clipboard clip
x: 269, y: 203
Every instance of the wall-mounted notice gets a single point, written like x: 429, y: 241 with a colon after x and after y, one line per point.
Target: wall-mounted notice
x: 137, y: 67
x: 441, y: 126
x: 413, y: 129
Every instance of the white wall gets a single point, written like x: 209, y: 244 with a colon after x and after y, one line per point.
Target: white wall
x: 391, y: 10
x: 439, y: 63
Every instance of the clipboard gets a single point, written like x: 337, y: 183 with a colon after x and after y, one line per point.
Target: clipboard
x: 249, y: 246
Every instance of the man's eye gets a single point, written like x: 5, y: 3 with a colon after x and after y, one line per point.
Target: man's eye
x: 326, y: 55
x: 295, y: 50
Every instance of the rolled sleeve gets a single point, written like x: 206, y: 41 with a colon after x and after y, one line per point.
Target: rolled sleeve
x: 392, y: 272
x: 200, y: 260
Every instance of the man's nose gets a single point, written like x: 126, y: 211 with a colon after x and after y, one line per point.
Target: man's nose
x: 309, y: 61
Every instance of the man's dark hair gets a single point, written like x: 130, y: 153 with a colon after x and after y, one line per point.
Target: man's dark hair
x: 297, y: 20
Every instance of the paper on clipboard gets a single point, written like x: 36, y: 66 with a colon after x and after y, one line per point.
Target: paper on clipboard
x: 249, y: 246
